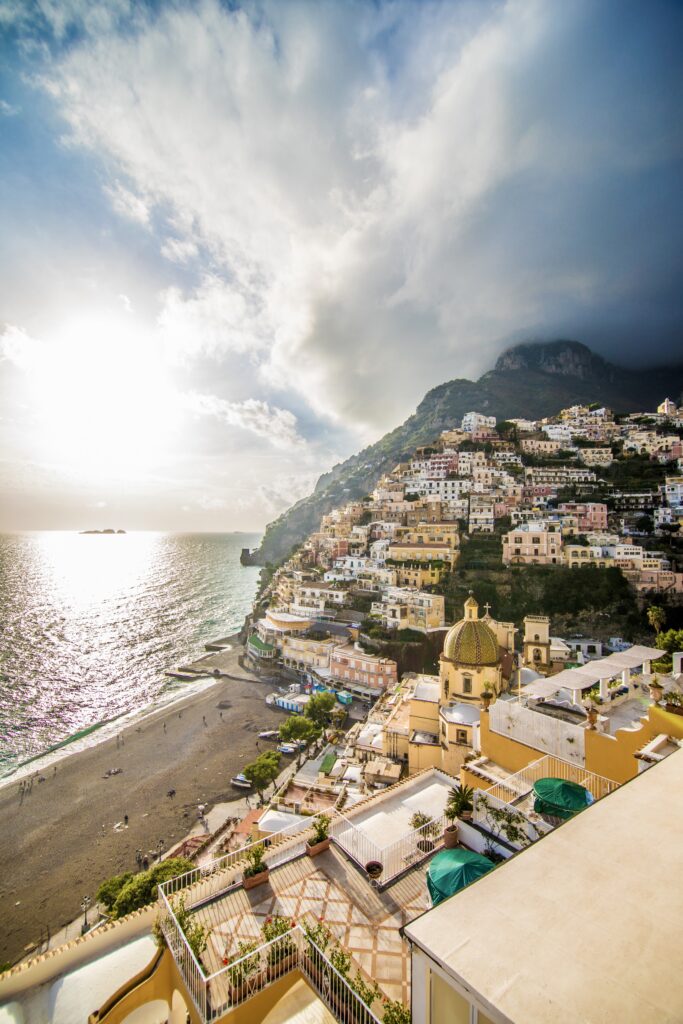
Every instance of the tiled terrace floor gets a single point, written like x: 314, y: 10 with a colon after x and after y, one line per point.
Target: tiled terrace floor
x: 363, y: 920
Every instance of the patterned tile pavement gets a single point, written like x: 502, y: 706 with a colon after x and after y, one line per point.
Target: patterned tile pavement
x: 363, y: 920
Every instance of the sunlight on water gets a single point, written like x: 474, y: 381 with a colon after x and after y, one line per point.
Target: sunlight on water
x: 90, y: 624
x: 88, y: 571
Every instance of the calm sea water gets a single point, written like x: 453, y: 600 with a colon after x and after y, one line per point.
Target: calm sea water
x: 89, y: 625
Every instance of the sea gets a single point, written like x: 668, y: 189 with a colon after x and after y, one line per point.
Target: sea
x: 90, y: 623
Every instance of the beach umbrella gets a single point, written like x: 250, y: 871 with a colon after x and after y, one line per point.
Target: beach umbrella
x: 558, y: 798
x: 451, y: 870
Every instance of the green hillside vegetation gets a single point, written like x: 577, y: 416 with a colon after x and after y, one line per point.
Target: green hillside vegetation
x: 527, y: 381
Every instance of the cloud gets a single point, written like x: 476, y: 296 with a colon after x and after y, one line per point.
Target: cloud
x: 378, y: 197
x: 8, y: 109
x: 179, y: 251
x: 216, y: 317
x: 278, y: 426
x: 129, y: 205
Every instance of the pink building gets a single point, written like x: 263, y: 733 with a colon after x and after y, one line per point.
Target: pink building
x: 592, y: 516
x: 354, y: 667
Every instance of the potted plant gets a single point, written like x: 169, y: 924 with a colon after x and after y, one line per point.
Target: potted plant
x: 281, y: 955
x: 427, y: 827
x: 656, y: 690
x: 256, y: 872
x: 374, y: 868
x: 673, y: 701
x: 487, y: 696
x: 318, y: 938
x: 244, y: 974
x: 450, y: 833
x: 320, y: 840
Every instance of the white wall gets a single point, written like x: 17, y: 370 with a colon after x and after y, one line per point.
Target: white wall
x: 550, y: 735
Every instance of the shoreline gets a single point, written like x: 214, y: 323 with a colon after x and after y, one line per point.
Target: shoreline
x: 176, y: 692
x: 65, y: 835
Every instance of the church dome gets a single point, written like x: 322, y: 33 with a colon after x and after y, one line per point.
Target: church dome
x: 471, y: 641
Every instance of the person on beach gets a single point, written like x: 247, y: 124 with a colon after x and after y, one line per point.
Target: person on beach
x: 125, y: 820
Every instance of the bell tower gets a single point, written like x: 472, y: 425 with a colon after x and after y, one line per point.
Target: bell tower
x: 536, y: 644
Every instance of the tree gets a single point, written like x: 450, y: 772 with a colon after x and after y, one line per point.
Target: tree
x: 109, y: 890
x: 263, y: 770
x: 656, y: 616
x: 319, y: 708
x: 124, y: 893
x: 644, y: 524
x: 299, y: 729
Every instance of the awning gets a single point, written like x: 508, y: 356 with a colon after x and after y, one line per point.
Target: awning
x: 539, y: 688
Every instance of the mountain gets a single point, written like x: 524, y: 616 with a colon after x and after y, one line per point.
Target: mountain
x: 531, y: 380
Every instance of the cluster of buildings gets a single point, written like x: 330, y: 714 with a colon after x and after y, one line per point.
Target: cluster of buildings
x: 569, y: 925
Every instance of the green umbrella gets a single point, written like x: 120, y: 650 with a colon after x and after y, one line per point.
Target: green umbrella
x: 560, y: 798
x: 451, y: 870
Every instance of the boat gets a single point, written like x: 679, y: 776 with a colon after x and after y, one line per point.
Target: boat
x: 241, y: 781
x: 269, y: 734
x: 286, y: 748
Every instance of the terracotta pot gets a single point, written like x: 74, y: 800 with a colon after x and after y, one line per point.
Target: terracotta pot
x: 246, y: 988
x: 251, y: 881
x: 466, y: 815
x: 450, y: 837
x: 486, y: 700
x: 317, y: 848
x: 425, y: 845
x: 281, y: 966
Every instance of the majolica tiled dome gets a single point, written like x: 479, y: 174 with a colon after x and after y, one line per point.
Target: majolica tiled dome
x: 471, y: 641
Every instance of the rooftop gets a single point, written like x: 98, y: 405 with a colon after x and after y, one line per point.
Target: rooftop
x: 552, y: 936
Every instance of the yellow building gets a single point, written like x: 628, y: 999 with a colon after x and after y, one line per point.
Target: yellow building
x: 443, y: 719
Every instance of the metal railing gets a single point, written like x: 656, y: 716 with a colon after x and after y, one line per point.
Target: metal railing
x: 397, y: 857
x: 188, y: 965
x: 210, y: 879
x: 519, y: 785
x: 258, y: 966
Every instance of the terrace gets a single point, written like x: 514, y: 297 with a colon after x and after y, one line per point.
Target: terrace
x: 364, y: 906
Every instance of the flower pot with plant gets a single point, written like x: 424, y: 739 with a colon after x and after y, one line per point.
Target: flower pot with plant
x: 256, y: 872
x: 656, y: 690
x: 281, y: 954
x: 673, y: 701
x: 320, y: 840
x: 245, y: 975
x: 427, y: 829
x: 486, y: 698
x: 460, y: 805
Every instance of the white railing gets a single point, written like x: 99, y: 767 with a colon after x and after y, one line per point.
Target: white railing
x: 188, y: 965
x: 354, y: 841
x: 412, y: 848
x: 397, y: 857
x: 519, y: 785
x: 257, y: 967
x: 213, y: 878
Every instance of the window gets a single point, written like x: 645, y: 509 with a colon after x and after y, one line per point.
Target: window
x: 461, y: 736
x: 467, y: 684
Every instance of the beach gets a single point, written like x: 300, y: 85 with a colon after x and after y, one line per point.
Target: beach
x: 65, y: 835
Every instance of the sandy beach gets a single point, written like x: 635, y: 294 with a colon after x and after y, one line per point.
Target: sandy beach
x: 59, y: 839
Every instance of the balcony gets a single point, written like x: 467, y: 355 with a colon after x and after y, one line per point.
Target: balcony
x: 363, y: 917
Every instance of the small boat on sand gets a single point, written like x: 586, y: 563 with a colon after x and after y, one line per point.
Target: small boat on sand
x: 241, y: 781
x: 269, y: 734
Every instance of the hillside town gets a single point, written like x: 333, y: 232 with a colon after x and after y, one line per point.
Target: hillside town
x: 436, y: 722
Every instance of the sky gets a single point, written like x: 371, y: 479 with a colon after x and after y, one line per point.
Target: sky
x: 241, y: 241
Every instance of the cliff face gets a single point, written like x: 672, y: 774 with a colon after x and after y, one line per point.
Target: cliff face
x: 530, y: 380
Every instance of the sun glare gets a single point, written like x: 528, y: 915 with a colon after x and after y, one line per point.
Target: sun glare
x: 103, y: 400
